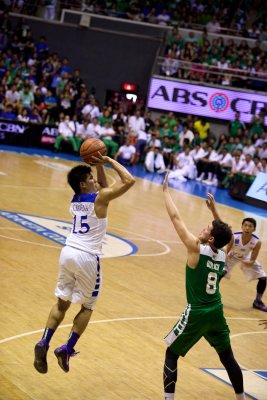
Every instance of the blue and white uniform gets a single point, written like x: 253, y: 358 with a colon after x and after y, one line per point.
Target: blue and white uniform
x: 79, y: 279
x: 241, y: 251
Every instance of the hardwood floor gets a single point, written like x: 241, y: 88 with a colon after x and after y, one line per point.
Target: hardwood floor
x: 122, y: 351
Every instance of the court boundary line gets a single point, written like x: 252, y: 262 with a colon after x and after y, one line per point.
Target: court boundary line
x: 101, y: 321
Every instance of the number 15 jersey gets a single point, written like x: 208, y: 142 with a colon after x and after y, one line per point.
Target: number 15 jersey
x: 88, y: 231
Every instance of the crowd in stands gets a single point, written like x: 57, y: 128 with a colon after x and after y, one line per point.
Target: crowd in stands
x: 215, y: 61
x: 224, y: 16
x: 37, y: 86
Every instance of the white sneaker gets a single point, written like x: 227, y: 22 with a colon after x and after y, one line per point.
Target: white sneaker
x: 207, y: 182
x: 199, y: 179
x: 181, y: 178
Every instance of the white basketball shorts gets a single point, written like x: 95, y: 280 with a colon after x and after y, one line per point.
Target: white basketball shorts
x: 79, y: 278
x: 256, y: 271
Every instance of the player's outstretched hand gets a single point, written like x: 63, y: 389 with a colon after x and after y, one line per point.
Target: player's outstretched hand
x: 165, y: 182
x: 210, y: 202
x: 263, y: 322
x: 99, y: 159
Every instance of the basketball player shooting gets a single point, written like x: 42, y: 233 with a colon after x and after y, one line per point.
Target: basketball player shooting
x: 80, y: 279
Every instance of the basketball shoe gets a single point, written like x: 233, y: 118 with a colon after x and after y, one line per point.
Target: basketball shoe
x: 40, y: 353
x: 259, y: 305
x: 63, y: 357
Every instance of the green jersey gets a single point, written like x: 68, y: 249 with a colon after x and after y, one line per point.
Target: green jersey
x: 202, y: 283
x: 203, y: 316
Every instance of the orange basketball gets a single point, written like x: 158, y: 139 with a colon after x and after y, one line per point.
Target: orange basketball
x: 90, y: 147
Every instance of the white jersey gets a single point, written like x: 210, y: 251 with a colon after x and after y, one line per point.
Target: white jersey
x: 88, y: 231
x: 239, y: 250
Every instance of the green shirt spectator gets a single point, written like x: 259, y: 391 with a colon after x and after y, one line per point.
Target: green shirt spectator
x: 26, y: 97
x: 235, y: 125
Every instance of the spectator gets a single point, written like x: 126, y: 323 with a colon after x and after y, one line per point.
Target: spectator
x: 163, y: 18
x: 136, y: 123
x: 94, y: 128
x: 12, y: 96
x: 126, y: 153
x: 185, y: 134
x: 66, y: 132
x: 203, y: 163
x: 184, y: 166
x: 213, y: 26
x: 107, y: 134
x: 202, y: 127
x: 24, y: 115
x: 50, y: 9
x: 170, y: 65
x: 8, y: 112
x: 91, y: 109
x: 26, y: 98
x: 42, y: 48
x: 154, y: 161
x: 235, y: 125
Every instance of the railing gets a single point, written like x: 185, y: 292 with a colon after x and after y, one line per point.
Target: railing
x: 200, y: 72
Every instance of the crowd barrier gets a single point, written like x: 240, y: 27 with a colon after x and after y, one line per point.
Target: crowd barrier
x: 18, y: 133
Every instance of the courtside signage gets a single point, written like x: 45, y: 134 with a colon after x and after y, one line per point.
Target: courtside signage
x: 57, y: 231
x: 203, y: 100
x: 258, y: 189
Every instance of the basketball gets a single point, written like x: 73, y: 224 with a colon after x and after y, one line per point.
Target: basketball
x: 90, y: 147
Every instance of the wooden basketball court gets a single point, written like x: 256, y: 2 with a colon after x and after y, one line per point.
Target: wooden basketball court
x: 122, y: 351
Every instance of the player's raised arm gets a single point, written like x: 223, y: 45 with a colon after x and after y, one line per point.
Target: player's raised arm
x: 121, y: 186
x: 190, y: 241
x: 212, y: 207
x: 101, y: 176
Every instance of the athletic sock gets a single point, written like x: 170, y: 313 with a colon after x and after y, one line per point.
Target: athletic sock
x: 168, y: 396
x: 72, y: 341
x: 47, y: 335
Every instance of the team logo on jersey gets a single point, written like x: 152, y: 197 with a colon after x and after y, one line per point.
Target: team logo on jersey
x: 236, y: 241
x: 255, y: 381
x: 57, y: 231
x: 219, y: 102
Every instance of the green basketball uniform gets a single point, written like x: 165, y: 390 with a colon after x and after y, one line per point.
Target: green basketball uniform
x: 203, y: 315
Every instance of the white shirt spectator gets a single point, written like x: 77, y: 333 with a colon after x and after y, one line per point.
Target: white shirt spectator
x: 154, y: 142
x: 106, y: 131
x: 213, y: 26
x: 226, y: 159
x: 213, y: 156
x: 185, y: 167
x: 186, y: 135
x: 198, y: 153
x: 127, y: 151
x: 248, y: 167
x: 249, y: 150
x: 91, y: 109
x: 83, y: 131
x: 237, y: 164
x: 263, y: 152
x: 141, y: 135
x: 12, y: 96
x: 170, y: 65
x: 66, y: 128
x: 94, y: 129
x: 136, y: 124
x: 163, y: 18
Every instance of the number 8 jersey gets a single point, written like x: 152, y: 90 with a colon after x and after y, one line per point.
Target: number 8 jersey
x: 202, y: 283
x: 88, y: 231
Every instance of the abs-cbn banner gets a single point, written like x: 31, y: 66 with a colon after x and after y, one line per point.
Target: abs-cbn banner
x: 25, y: 134
x: 202, y: 100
